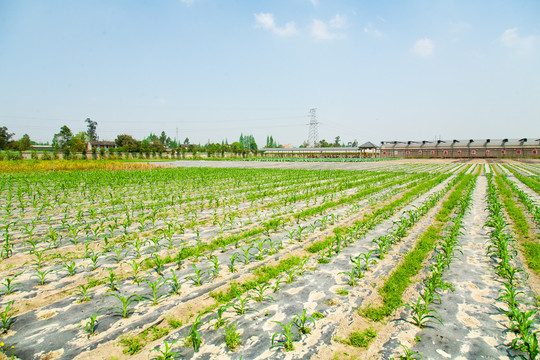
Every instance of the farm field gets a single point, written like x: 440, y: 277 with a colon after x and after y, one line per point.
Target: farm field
x: 271, y: 260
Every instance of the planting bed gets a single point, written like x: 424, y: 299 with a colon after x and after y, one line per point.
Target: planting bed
x: 271, y: 260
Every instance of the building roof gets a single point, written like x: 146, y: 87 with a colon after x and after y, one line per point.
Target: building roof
x: 368, y: 145
x: 464, y: 143
x: 102, y: 143
x: 310, y: 149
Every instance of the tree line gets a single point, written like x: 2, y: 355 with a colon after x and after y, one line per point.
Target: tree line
x: 68, y: 143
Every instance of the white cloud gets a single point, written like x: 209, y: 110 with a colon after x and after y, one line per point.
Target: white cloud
x: 522, y: 45
x: 326, y: 31
x: 188, y: 2
x: 266, y: 21
x: 423, y: 47
x: 369, y: 29
x: 337, y: 21
x: 314, y: 2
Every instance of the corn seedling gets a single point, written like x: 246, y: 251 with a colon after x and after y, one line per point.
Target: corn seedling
x: 351, y: 277
x: 214, y: 271
x: 111, y: 280
x: 302, y: 320
x: 241, y: 308
x: 409, y: 354
x: 421, y: 314
x: 154, y: 287
x: 174, y: 283
x: 125, y: 307
x: 92, y: 324
x: 234, y: 257
x: 6, y: 317
x: 9, y: 285
x: 259, y: 292
x: 194, y: 334
x: 197, y: 278
x: 41, y: 275
x: 135, y: 266
x: 220, y: 318
x: 167, y: 353
x: 288, y: 336
x: 70, y: 267
x: 82, y: 292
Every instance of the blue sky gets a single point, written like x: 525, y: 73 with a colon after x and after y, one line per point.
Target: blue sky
x: 375, y: 70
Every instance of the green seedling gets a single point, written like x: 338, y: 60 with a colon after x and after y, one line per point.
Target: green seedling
x: 125, y: 307
x: 167, y: 353
x: 82, y: 292
x: 111, y: 280
x: 351, y: 277
x: 259, y: 292
x: 41, y: 275
x: 241, y: 308
x: 277, y: 286
x: 92, y: 324
x: 291, y: 275
x: 70, y: 267
x: 194, y: 334
x: 234, y: 257
x: 154, y: 287
x: 421, y: 314
x: 9, y: 285
x: 6, y: 317
x: 135, y: 266
x: 288, y: 336
x: 302, y: 320
x: 197, y: 278
x: 409, y: 354
x: 159, y: 264
x: 220, y: 318
x: 214, y: 271
x: 174, y: 283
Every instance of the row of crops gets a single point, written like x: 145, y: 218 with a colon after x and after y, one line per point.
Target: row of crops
x: 254, y: 263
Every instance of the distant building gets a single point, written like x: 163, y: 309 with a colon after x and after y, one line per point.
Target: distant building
x: 366, y: 150
x: 41, y: 147
x: 471, y: 148
x: 101, y: 145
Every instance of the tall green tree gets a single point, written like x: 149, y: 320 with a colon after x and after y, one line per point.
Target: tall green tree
x: 165, y: 140
x: 78, y: 142
x: 62, y: 140
x: 127, y: 143
x: 271, y: 143
x: 91, y: 129
x: 249, y: 142
x: 22, y: 144
x: 5, y: 138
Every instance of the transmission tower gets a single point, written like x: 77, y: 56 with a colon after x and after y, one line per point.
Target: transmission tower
x: 313, y: 136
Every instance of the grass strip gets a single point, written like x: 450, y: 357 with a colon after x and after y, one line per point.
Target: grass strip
x: 520, y: 224
x: 396, y: 284
x: 262, y: 274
